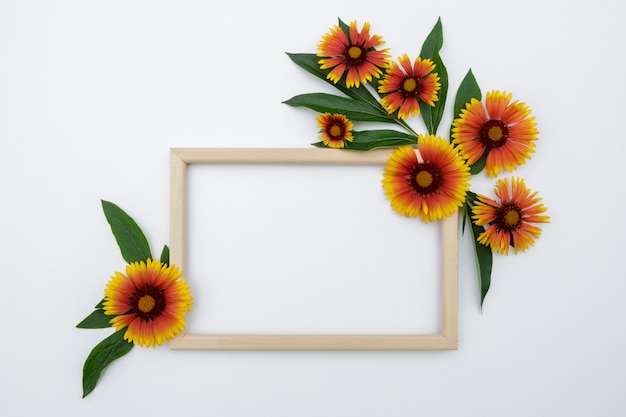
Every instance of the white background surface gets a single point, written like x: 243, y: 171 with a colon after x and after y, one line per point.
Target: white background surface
x: 93, y: 95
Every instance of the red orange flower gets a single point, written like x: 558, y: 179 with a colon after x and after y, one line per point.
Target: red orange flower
x: 335, y: 130
x: 406, y: 85
x: 352, y: 53
x: 510, y: 221
x: 430, y: 183
x: 502, y: 129
x: 151, y: 300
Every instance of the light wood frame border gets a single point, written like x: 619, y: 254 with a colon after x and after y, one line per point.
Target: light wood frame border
x: 180, y: 158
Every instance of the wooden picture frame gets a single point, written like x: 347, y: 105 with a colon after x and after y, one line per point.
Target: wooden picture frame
x: 181, y: 158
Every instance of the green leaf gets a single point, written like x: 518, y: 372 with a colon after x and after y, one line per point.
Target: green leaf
x: 356, y: 111
x: 433, y: 42
x: 165, y: 255
x: 468, y: 90
x: 130, y: 239
x: 309, y: 62
x: 463, y: 223
x: 484, y: 256
x: 344, y: 27
x: 480, y: 164
x: 105, y: 352
x: 371, y: 139
x: 430, y: 49
x: 96, y: 320
x: 374, y: 84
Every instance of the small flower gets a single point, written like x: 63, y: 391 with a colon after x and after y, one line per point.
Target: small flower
x: 509, y: 222
x: 408, y: 84
x: 430, y: 182
x: 151, y: 300
x: 353, y: 52
x: 335, y: 130
x: 502, y: 129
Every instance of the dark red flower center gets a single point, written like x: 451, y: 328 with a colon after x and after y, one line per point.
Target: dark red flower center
x: 509, y: 217
x: 336, y: 130
x: 147, y: 303
x: 355, y: 55
x: 411, y: 87
x: 426, y: 178
x: 494, y: 133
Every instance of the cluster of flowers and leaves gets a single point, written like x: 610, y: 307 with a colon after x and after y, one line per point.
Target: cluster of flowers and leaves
x: 146, y: 305
x: 428, y: 176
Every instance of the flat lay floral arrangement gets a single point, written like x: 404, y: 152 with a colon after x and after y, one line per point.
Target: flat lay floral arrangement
x: 146, y: 305
x: 426, y: 176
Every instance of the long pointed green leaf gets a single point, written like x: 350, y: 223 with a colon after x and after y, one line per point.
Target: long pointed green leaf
x: 433, y: 42
x: 130, y: 239
x: 165, y: 255
x: 356, y: 111
x: 484, y: 260
x: 430, y: 49
x: 463, y: 223
x: 484, y: 256
x: 366, y: 140
x: 344, y: 27
x: 468, y: 90
x: 309, y: 62
x: 101, y: 356
x: 96, y: 320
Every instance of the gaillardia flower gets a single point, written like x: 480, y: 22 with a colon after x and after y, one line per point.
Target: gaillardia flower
x: 335, y: 130
x: 430, y: 182
x: 406, y: 85
x: 502, y: 129
x: 510, y: 221
x: 151, y: 300
x: 353, y: 53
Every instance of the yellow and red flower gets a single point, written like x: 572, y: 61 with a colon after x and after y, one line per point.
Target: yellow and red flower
x: 352, y: 53
x: 510, y: 221
x: 430, y: 182
x: 406, y: 85
x: 335, y: 130
x: 151, y: 300
x: 502, y: 129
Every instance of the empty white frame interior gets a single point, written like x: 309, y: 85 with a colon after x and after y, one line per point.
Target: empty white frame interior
x: 335, y: 276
